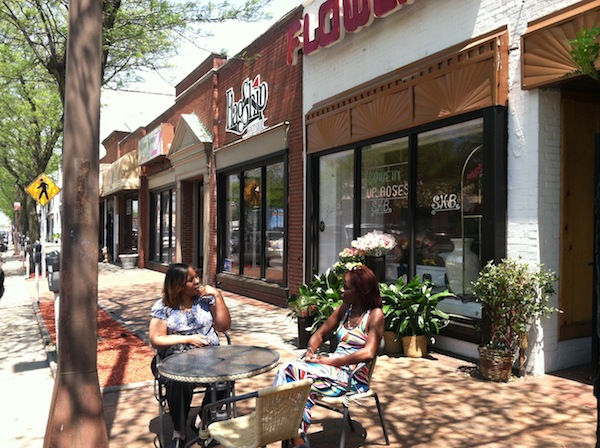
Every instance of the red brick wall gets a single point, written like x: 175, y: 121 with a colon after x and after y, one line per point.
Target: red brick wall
x: 186, y: 216
x: 266, y: 57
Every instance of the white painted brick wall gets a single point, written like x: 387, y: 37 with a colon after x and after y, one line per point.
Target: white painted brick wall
x: 429, y: 26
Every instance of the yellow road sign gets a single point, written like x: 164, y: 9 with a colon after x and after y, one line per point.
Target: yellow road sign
x: 42, y: 189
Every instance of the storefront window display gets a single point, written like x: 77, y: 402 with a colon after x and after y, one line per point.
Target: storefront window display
x: 163, y: 223
x: 449, y: 202
x: 254, y: 234
x: 438, y: 229
x: 384, y: 198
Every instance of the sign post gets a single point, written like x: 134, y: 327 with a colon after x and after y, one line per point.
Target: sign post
x: 42, y: 189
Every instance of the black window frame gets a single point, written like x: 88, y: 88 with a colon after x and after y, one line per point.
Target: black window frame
x: 239, y: 170
x: 495, y: 189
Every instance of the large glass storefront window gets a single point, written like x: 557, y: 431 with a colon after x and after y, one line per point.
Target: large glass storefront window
x: 231, y: 238
x: 426, y: 189
x: 253, y: 238
x: 336, y: 206
x: 384, y: 199
x: 130, y: 226
x: 163, y: 226
x: 253, y: 223
x: 274, y: 235
x: 449, y: 211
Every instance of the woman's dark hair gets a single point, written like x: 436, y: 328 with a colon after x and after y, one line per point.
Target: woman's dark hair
x: 364, y: 281
x: 175, y: 280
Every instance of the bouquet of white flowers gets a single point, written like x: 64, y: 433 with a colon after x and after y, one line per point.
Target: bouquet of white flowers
x: 374, y: 244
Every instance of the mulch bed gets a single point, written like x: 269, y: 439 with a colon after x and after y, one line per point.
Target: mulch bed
x: 123, y: 358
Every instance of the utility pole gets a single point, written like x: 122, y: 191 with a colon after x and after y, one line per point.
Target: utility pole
x: 76, y: 415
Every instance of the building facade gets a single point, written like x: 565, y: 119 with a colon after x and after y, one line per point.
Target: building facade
x: 209, y: 181
x: 461, y: 128
x: 457, y: 127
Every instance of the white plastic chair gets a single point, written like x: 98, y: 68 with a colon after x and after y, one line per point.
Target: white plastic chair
x: 277, y: 417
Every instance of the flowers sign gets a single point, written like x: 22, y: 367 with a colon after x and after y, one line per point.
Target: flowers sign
x: 374, y: 244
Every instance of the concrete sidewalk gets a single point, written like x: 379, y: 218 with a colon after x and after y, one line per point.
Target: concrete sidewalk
x: 25, y: 376
x: 437, y: 401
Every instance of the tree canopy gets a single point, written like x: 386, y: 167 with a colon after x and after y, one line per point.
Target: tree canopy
x: 138, y: 36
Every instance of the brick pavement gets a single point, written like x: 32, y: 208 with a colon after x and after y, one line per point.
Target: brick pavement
x: 437, y: 401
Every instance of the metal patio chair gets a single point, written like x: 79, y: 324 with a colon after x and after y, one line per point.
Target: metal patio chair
x: 160, y: 393
x: 277, y: 416
x: 342, y: 403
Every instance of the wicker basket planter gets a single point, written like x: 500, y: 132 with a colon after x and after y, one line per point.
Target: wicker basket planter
x: 414, y: 346
x: 495, y: 364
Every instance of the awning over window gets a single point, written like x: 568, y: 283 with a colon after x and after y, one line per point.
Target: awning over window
x: 545, y: 45
x: 121, y: 175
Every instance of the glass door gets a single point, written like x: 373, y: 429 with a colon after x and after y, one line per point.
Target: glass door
x: 336, y: 206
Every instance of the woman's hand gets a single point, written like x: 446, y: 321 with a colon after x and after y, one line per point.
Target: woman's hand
x: 197, y: 340
x: 311, y: 356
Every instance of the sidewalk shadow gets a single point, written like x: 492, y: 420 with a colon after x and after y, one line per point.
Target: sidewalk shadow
x: 28, y: 366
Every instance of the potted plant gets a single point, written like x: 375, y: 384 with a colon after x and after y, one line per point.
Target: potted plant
x: 411, y: 312
x: 315, y: 302
x: 512, y: 296
x: 302, y: 307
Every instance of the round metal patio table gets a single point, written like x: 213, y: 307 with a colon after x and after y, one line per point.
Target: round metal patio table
x: 217, y: 363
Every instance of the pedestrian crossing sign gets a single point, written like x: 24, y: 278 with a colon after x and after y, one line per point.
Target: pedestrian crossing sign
x: 42, y: 189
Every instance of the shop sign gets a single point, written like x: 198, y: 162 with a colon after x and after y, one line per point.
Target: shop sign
x: 336, y: 17
x: 248, y: 114
x: 151, y: 145
x: 448, y: 202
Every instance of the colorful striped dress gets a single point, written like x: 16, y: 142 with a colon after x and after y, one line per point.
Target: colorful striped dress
x: 330, y: 380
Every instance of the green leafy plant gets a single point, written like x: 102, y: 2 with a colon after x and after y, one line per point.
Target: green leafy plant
x: 410, y: 309
x: 585, y: 50
x: 512, y: 296
x: 320, y: 297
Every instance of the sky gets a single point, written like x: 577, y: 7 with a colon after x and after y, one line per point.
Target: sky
x: 141, y: 103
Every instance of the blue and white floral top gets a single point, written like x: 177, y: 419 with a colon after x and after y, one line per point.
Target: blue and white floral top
x: 197, y: 320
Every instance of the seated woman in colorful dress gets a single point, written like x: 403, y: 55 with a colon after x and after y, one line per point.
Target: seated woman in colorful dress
x: 186, y: 317
x: 358, y: 323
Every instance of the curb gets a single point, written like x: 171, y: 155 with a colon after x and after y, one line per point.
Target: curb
x: 49, y: 346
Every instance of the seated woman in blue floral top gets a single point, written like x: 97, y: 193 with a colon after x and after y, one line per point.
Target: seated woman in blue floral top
x: 186, y: 317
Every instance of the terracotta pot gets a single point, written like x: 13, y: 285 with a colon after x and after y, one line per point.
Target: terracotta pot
x: 392, y: 345
x: 414, y: 346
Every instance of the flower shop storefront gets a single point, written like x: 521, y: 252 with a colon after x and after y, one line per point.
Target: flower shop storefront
x: 437, y: 185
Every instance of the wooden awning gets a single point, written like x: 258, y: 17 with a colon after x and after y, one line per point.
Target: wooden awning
x: 545, y: 58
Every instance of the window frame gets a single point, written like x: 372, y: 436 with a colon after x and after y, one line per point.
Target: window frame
x: 240, y: 170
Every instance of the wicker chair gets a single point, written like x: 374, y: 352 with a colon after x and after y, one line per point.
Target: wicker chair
x: 160, y: 393
x: 342, y: 403
x: 277, y: 416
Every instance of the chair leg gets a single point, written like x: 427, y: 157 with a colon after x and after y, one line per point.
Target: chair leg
x: 161, y: 429
x: 346, y: 418
x: 385, y: 434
